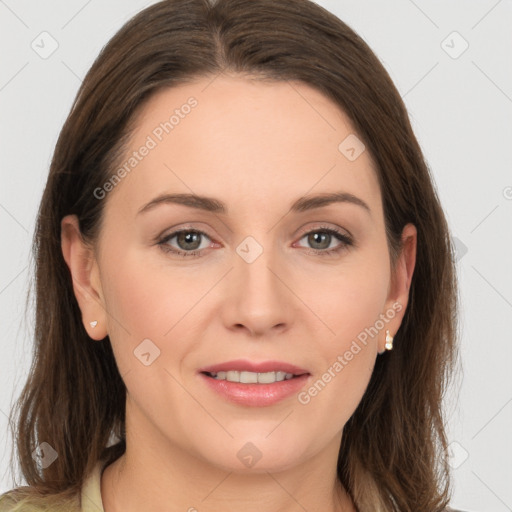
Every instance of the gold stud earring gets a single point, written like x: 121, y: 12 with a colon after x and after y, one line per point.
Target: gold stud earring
x: 389, y: 340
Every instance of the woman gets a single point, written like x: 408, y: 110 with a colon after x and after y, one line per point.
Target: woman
x: 246, y: 294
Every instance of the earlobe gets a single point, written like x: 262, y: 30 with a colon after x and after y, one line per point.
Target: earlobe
x: 398, y: 296
x: 83, y: 268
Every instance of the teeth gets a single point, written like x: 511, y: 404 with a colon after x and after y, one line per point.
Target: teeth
x: 252, y: 377
x: 248, y: 378
x: 233, y: 376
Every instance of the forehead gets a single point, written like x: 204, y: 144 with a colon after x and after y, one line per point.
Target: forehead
x: 237, y: 138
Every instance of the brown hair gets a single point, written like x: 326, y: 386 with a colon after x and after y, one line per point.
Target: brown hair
x: 393, y: 451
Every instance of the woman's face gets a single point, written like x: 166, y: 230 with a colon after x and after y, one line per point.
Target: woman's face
x: 259, y: 275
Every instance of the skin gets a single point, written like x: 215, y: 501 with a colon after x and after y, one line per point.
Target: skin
x: 257, y: 147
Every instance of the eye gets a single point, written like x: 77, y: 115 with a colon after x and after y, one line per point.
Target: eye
x: 189, y: 242
x: 321, y: 241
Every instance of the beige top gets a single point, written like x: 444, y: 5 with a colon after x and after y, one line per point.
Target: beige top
x: 90, y: 497
x: 91, y: 491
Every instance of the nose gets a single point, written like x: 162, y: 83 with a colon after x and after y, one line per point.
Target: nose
x: 258, y: 299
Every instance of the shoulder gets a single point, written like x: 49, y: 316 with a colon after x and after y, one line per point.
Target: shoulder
x: 9, y: 502
x: 28, y: 499
x: 6, y: 502
x: 24, y: 500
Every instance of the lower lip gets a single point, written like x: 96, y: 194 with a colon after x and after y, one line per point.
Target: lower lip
x: 256, y: 395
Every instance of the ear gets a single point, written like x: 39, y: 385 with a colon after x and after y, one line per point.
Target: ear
x: 398, y: 294
x: 84, y: 270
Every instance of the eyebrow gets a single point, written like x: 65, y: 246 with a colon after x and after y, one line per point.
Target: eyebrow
x: 213, y: 205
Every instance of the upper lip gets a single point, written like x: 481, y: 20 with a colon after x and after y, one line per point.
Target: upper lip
x: 251, y: 366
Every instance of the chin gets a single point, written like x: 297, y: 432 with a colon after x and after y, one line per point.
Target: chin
x: 258, y: 453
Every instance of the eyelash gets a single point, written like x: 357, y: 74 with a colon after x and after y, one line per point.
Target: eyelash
x: 345, y: 239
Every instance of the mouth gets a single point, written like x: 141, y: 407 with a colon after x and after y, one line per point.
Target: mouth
x: 255, y: 384
x: 251, y: 372
x: 247, y: 377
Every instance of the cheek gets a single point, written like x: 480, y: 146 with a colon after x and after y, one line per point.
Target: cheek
x: 347, y: 357
x: 347, y: 299
x: 146, y: 297
x: 350, y: 304
x: 147, y: 300
x: 334, y: 395
x: 135, y: 303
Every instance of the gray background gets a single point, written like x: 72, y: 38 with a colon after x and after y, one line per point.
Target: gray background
x: 460, y: 104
